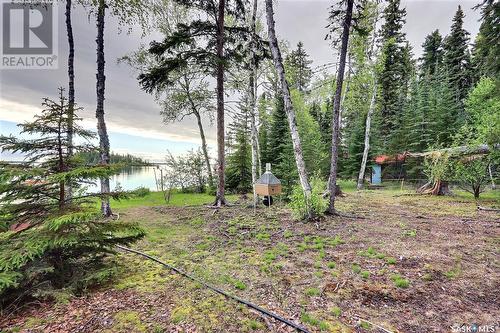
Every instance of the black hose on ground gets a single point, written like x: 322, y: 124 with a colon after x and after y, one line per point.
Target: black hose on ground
x: 217, y: 290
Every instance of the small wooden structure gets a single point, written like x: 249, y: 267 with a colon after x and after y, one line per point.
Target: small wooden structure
x: 268, y: 185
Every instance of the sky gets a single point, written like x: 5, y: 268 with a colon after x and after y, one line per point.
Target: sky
x: 133, y: 117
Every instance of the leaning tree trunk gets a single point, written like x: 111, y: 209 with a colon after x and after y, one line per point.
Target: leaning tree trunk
x: 101, y: 124
x: 204, y: 147
x: 71, y: 88
x: 220, y: 199
x: 292, y: 122
x: 336, y: 107
x: 251, y: 99
x: 366, y: 150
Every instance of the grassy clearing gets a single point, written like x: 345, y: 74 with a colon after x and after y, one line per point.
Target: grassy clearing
x: 177, y: 199
x: 408, y: 255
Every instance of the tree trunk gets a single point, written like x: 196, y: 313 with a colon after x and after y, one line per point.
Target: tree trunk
x: 292, y: 122
x: 204, y: 147
x: 366, y: 150
x: 336, y: 106
x: 346, y: 91
x: 71, y: 88
x: 220, y: 199
x: 60, y: 153
x: 252, y: 108
x: 101, y: 124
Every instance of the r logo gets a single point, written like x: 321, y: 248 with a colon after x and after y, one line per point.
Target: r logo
x: 27, y: 28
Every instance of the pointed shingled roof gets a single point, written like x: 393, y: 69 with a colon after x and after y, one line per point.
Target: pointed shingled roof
x: 268, y: 178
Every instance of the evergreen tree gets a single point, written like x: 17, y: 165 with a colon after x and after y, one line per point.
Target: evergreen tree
x: 50, y: 238
x: 432, y: 57
x: 298, y: 68
x: 395, y: 72
x: 208, y: 42
x: 457, y: 58
x: 281, y: 148
x: 486, y: 52
x: 264, y: 131
x: 239, y: 166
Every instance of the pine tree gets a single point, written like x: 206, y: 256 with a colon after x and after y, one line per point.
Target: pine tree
x: 487, y: 44
x: 48, y: 236
x: 264, y: 131
x: 457, y: 58
x: 298, y: 68
x: 432, y: 54
x: 239, y: 166
x: 395, y: 72
x: 280, y: 147
x: 209, y: 42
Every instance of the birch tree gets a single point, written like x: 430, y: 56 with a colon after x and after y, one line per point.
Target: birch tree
x: 292, y: 122
x: 371, y: 108
x: 252, y: 87
x: 346, y: 24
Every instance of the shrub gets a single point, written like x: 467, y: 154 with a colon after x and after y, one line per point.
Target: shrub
x: 141, y: 192
x: 316, y: 206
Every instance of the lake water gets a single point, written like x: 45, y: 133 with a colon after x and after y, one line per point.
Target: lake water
x: 132, y: 178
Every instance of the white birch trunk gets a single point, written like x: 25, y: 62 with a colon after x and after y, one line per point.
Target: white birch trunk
x: 361, y: 176
x: 292, y: 122
x: 252, y: 102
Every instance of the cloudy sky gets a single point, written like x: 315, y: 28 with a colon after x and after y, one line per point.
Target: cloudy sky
x: 133, y: 117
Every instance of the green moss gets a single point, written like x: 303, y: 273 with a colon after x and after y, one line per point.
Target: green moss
x: 365, y: 274
x: 288, y: 234
x: 312, y: 292
x: 240, y: 285
x: 366, y: 325
x: 356, y: 268
x: 322, y: 325
x: 251, y: 324
x: 391, y: 260
x: 371, y: 253
x: 33, y: 322
x: 399, y: 281
x: 269, y: 256
x: 336, y: 311
x: 331, y: 264
x: 128, y: 321
x: 197, y: 221
x: 263, y: 236
x: 319, y: 274
x: 410, y: 233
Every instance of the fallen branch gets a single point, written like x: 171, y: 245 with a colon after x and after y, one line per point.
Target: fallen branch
x: 488, y: 209
x: 373, y: 324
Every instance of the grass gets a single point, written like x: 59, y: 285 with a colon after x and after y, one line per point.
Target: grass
x: 399, y: 281
x: 311, y: 292
x: 268, y: 257
x: 156, y: 199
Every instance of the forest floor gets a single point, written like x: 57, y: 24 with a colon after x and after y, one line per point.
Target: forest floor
x: 409, y: 264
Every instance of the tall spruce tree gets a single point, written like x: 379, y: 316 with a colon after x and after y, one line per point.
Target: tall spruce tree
x: 239, y: 161
x: 395, y: 71
x: 432, y: 54
x: 298, y: 68
x: 457, y: 58
x: 486, y: 52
